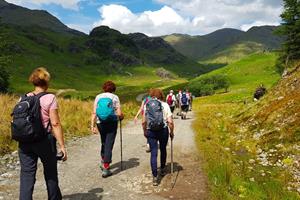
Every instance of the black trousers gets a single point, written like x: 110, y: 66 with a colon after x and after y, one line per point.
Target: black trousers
x: 29, y: 154
x: 108, y: 132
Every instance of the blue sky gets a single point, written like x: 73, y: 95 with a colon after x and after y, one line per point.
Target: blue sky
x: 160, y: 17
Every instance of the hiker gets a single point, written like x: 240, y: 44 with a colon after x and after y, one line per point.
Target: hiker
x: 106, y: 114
x: 178, y: 100
x: 171, y: 100
x: 158, y: 125
x: 46, y: 128
x: 184, y: 102
x: 190, y: 97
x: 259, y: 92
x: 141, y: 111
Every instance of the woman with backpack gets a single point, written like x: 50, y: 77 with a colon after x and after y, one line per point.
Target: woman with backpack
x: 171, y: 100
x: 158, y: 126
x: 43, y: 144
x: 141, y: 111
x: 106, y: 114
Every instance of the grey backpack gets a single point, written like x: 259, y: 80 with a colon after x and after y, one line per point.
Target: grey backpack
x: 154, y: 115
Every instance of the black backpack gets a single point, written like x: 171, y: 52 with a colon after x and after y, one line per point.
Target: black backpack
x: 184, y: 99
x: 154, y: 115
x: 27, y: 125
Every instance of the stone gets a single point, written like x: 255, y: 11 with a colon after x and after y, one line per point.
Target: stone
x: 6, y: 175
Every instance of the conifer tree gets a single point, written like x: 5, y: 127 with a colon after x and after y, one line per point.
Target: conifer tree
x: 290, y: 29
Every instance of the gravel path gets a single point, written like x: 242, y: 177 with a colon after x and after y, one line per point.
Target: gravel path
x: 80, y: 176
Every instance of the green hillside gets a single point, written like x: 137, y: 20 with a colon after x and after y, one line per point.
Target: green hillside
x: 82, y: 62
x: 72, y: 63
x: 250, y: 149
x: 17, y: 15
x: 244, y: 77
x: 225, y: 45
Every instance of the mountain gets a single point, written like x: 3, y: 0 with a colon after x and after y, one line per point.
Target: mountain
x: 225, y: 45
x: 20, y: 16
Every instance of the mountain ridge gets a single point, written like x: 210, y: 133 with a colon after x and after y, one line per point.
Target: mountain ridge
x: 202, y: 47
x: 14, y: 14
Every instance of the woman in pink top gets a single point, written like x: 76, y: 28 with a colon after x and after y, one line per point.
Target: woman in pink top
x: 44, y: 149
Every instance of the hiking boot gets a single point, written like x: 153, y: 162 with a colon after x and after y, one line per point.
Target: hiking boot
x: 163, y: 171
x: 106, y: 173
x: 155, y: 181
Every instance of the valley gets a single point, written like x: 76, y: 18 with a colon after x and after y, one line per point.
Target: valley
x: 230, y: 147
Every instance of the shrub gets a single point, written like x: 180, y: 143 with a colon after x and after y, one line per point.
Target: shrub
x: 208, y: 85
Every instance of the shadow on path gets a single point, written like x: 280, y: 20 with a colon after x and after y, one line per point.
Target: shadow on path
x: 127, y: 164
x: 93, y: 194
x: 177, y: 169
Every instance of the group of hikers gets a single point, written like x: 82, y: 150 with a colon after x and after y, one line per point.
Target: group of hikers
x: 37, y: 128
x: 182, y: 100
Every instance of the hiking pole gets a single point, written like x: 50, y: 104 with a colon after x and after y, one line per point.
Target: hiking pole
x: 172, y: 162
x: 121, y: 141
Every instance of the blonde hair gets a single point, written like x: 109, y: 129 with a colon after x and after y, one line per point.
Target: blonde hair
x: 40, y: 77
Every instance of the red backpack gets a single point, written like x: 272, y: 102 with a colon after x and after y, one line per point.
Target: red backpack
x: 170, y: 100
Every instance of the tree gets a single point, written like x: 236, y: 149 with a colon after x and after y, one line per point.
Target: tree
x: 291, y: 30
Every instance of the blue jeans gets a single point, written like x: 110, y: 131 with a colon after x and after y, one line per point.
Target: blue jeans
x: 153, y: 138
x: 29, y: 154
x: 108, y: 132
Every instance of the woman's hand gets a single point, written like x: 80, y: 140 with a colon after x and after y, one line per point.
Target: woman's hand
x: 121, y: 116
x: 145, y: 134
x: 94, y: 130
x: 63, y: 150
x: 135, y: 120
x: 172, y: 135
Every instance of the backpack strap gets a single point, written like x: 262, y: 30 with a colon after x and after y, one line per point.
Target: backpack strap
x: 39, y: 95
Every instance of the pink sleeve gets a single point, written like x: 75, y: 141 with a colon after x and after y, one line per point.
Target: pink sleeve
x: 54, y: 104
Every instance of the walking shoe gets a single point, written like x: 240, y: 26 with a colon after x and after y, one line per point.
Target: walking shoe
x: 102, y: 166
x: 155, y: 181
x: 106, y: 173
x: 148, y: 150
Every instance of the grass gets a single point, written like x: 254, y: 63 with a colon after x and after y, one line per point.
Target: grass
x: 245, y: 76
x: 230, y: 174
x: 235, y: 53
x: 74, y: 114
x: 227, y: 124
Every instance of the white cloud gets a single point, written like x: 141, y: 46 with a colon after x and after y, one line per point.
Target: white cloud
x: 160, y: 22
x: 85, y: 28
x: 192, y: 16
x: 228, y: 13
x: 68, y: 4
x: 246, y: 27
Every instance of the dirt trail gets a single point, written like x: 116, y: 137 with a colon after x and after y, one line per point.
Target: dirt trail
x: 80, y: 176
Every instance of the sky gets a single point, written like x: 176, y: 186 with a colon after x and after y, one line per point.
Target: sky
x: 161, y: 17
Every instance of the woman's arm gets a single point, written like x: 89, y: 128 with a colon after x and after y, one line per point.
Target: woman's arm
x: 57, y: 131
x: 93, y: 121
x: 171, y: 127
x: 139, y: 112
x: 120, y: 113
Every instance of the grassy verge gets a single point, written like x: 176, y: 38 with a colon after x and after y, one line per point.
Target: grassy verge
x: 231, y: 160
x: 251, y: 149
x: 74, y: 114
